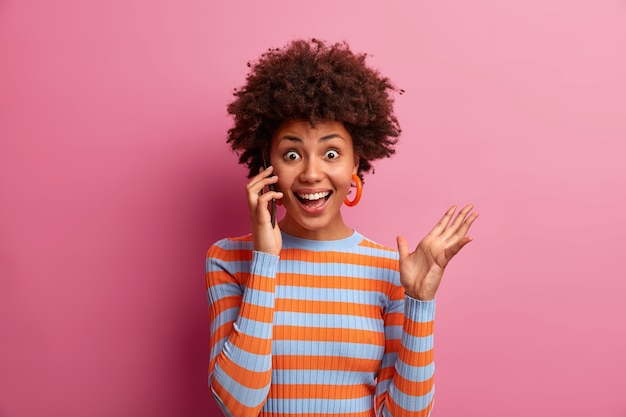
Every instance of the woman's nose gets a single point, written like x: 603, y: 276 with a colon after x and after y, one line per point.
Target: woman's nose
x: 311, y: 171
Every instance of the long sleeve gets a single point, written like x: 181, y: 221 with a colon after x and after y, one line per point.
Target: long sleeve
x: 406, y: 379
x: 241, y: 290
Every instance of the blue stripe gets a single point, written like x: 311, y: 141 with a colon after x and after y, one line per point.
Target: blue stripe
x: 331, y: 321
x: 219, y: 291
x: 419, y: 311
x: 417, y: 344
x: 389, y: 359
x: 259, y: 298
x: 415, y: 373
x: 313, y: 269
x: 331, y: 294
x: 246, y: 396
x: 253, y: 362
x: 229, y: 244
x: 412, y: 403
x: 393, y: 332
x: 338, y: 349
x: 264, y: 264
x: 322, y: 406
x: 226, y: 316
x: 334, y: 269
x: 352, y: 241
x: 377, y: 252
x: 254, y: 328
x: 325, y: 377
x: 217, y: 348
x: 349, y: 245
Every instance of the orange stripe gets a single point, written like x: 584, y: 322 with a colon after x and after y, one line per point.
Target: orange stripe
x: 251, y: 344
x: 324, y: 334
x: 223, y: 304
x: 323, y: 363
x: 221, y: 332
x: 219, y: 276
x: 235, y: 407
x: 259, y: 282
x: 394, y: 319
x: 247, y: 378
x: 368, y: 244
x: 327, y: 392
x: 340, y: 257
x: 244, y: 238
x: 396, y: 410
x: 240, y: 278
x: 396, y: 292
x: 386, y: 373
x: 328, y: 307
x: 332, y: 282
x: 229, y: 255
x: 417, y: 359
x: 392, y: 345
x: 419, y: 329
x: 413, y: 388
x: 257, y: 313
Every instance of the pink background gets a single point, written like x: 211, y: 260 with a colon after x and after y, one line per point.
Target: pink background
x: 115, y: 179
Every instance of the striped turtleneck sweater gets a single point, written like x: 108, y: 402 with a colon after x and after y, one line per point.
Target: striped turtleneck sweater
x: 323, y: 329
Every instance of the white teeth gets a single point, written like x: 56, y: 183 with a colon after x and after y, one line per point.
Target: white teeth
x: 314, y: 196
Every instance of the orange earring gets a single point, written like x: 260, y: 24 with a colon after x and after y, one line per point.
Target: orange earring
x: 359, y: 191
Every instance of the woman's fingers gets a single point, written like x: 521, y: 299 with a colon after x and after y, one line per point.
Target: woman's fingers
x: 467, y: 223
x: 447, y: 224
x: 259, y: 196
x: 264, y: 199
x: 441, y: 226
x: 456, y: 228
x: 403, y: 247
x: 258, y: 183
x: 459, y: 219
x: 458, y: 232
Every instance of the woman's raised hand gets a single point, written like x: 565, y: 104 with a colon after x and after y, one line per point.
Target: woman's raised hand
x: 421, y: 270
x: 265, y: 237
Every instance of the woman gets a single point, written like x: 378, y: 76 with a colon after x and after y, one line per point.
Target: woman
x: 309, y: 317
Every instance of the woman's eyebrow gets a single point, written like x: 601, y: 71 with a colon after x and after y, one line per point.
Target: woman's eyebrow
x: 332, y: 136
x: 291, y: 138
x: 323, y: 138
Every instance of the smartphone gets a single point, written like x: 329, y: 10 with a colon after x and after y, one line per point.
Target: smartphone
x: 273, y: 203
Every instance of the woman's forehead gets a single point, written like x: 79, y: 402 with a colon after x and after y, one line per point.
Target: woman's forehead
x: 303, y: 129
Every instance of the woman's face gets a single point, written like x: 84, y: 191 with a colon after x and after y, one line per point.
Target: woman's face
x: 314, y: 168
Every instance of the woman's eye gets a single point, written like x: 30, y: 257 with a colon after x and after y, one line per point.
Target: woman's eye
x: 292, y: 156
x: 332, y: 154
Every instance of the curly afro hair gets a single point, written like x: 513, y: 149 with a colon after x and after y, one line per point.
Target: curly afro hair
x: 314, y: 81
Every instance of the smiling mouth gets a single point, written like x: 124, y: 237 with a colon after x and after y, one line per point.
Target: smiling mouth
x: 313, y: 200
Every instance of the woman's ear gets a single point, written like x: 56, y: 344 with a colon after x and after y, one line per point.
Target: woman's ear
x: 355, y: 170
